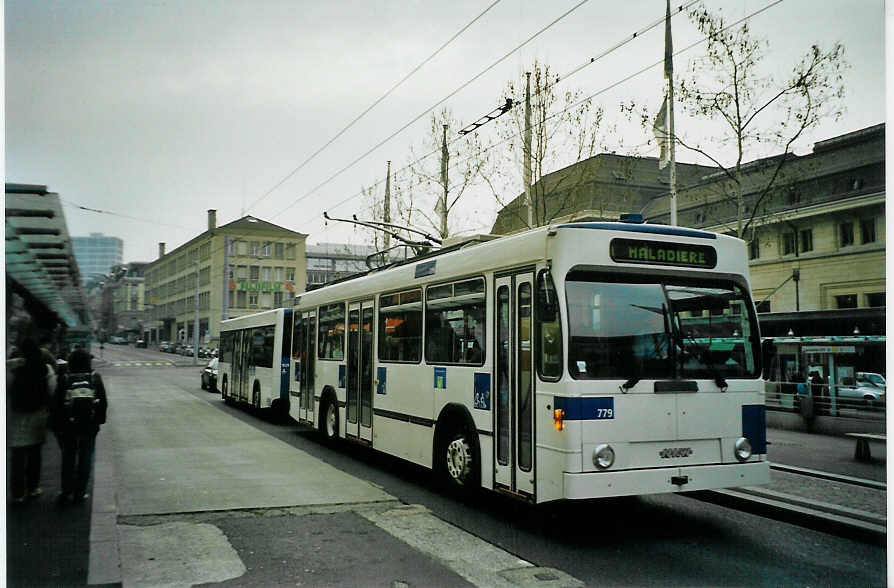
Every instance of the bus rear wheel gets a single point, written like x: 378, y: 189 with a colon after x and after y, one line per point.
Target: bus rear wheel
x: 329, y: 421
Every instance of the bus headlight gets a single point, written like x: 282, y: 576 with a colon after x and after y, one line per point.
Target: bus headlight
x: 603, y: 456
x: 743, y: 449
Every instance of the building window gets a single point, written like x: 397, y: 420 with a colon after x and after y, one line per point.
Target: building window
x: 277, y: 274
x: 241, y: 248
x: 265, y: 273
x: 875, y: 299
x: 254, y: 273
x: 290, y: 251
x: 231, y: 299
x: 278, y: 250
x: 252, y: 299
x: 242, y: 272
x: 754, y: 249
x: 867, y: 230
x: 846, y: 233
x: 846, y: 301
x: 267, y: 250
x: 290, y: 274
x: 807, y: 240
x: 255, y: 249
x: 240, y: 299
x: 277, y: 300
x: 788, y: 243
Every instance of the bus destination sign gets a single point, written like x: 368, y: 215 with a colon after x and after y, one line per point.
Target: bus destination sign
x: 663, y: 253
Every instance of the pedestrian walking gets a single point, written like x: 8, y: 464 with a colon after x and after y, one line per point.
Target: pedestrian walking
x: 79, y: 408
x: 30, y: 384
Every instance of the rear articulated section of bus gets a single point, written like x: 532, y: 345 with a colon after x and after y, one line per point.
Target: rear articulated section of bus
x: 664, y: 436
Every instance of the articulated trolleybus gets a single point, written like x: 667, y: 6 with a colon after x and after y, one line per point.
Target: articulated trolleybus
x: 573, y: 361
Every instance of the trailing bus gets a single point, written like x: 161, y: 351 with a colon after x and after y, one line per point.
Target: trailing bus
x: 574, y: 361
x: 253, y: 362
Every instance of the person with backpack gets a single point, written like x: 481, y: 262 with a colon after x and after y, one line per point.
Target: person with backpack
x: 79, y: 408
x: 30, y: 383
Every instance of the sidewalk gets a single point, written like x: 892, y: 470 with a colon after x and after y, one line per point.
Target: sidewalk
x: 49, y: 545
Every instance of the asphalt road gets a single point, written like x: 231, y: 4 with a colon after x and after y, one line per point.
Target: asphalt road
x: 666, y: 540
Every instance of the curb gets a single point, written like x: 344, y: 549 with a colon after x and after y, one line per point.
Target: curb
x: 812, y: 514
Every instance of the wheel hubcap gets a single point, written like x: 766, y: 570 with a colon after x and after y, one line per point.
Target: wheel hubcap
x: 459, y: 460
x: 330, y: 421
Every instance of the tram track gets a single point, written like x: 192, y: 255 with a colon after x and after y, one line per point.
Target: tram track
x: 807, y: 512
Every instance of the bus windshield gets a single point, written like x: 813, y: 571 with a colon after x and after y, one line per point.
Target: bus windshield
x: 639, y: 327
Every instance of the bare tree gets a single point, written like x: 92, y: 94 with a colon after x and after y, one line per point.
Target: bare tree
x: 726, y: 84
x: 440, y: 175
x: 565, y: 129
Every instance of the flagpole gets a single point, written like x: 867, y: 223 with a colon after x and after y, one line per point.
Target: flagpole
x: 669, y: 74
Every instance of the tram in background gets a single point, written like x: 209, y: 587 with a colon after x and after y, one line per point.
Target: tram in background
x: 573, y: 361
x: 253, y: 360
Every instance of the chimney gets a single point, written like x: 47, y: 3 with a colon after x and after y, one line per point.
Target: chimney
x: 161, y: 250
x: 212, y: 219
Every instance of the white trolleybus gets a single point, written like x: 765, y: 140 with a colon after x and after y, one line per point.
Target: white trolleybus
x: 574, y: 361
x: 253, y: 362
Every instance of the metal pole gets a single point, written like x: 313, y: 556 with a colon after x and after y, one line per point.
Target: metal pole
x: 225, y: 303
x: 526, y: 151
x: 195, y: 326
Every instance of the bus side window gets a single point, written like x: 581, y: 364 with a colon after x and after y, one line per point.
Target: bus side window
x: 548, y: 329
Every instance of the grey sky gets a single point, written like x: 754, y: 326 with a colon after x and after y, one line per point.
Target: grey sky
x: 162, y: 110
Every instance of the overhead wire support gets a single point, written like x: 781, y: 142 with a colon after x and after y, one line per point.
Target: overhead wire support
x: 492, y: 115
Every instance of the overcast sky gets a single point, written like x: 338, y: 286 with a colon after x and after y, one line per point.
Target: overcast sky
x: 155, y: 111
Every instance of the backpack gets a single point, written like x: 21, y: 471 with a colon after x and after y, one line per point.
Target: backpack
x: 80, y: 404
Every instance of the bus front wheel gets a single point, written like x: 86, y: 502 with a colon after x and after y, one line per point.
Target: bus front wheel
x: 459, y: 461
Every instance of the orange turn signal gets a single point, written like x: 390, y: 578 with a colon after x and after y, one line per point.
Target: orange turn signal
x: 559, y: 419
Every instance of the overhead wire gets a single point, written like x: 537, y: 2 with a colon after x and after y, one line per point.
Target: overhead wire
x: 373, y: 105
x: 428, y: 110
x: 578, y: 103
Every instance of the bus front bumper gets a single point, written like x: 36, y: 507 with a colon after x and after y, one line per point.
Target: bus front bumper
x: 659, y: 480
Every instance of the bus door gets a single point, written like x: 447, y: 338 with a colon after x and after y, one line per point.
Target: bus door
x: 240, y: 365
x: 305, y: 353
x: 514, y: 383
x: 359, y: 386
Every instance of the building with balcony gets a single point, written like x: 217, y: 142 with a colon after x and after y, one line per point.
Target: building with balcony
x: 240, y: 268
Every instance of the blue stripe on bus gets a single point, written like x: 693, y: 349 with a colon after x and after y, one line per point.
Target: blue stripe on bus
x: 585, y: 409
x: 644, y: 228
x: 754, y: 427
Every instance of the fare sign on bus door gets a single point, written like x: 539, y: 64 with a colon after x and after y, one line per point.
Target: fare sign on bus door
x: 663, y: 253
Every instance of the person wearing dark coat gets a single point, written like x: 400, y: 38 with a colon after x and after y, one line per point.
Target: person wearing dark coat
x: 30, y: 383
x: 77, y: 440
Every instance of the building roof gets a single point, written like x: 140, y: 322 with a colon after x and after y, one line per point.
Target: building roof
x: 39, y: 256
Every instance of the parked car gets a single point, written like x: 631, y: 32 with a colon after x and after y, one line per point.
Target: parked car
x: 871, y: 380
x: 209, y: 376
x: 140, y: 343
x: 116, y: 340
x: 186, y: 350
x: 862, y: 395
x: 165, y: 346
